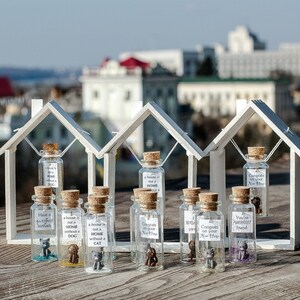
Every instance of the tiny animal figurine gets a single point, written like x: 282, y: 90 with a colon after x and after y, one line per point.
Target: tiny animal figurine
x: 45, y: 245
x: 257, y: 202
x: 98, y: 256
x: 209, y: 258
x: 151, y: 257
x: 192, y: 254
x: 73, y: 253
x: 243, y: 254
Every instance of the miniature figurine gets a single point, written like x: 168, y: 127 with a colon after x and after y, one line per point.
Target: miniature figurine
x: 209, y: 258
x: 243, y: 253
x: 151, y: 257
x: 192, y: 254
x: 45, y: 245
x: 98, y: 256
x: 257, y: 202
x: 73, y: 252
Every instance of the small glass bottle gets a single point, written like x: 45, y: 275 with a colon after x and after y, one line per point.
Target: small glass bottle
x: 70, y: 234
x: 210, y: 251
x: 51, y: 170
x: 133, y: 219
x: 256, y: 176
x: 150, y: 238
x: 43, y: 225
x: 187, y: 214
x: 97, y: 237
x: 241, y: 226
x: 152, y: 176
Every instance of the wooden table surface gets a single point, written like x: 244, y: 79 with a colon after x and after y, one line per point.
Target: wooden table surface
x: 274, y: 276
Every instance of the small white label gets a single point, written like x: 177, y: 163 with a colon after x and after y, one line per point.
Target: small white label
x: 242, y: 222
x: 189, y: 221
x: 209, y: 230
x: 256, y: 177
x: 153, y: 181
x: 50, y: 174
x: 149, y: 227
x: 71, y: 227
x: 44, y: 220
x: 97, y: 232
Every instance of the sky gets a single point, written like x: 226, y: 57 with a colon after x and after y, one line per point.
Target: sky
x: 75, y: 33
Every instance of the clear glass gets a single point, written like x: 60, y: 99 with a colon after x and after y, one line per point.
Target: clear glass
x: 98, y: 246
x: 210, y: 251
x: 242, y: 232
x: 133, y: 219
x: 150, y: 239
x: 70, y: 236
x: 256, y: 176
x: 43, y: 231
x: 152, y: 176
x: 51, y: 173
x: 110, y: 209
x: 187, y: 216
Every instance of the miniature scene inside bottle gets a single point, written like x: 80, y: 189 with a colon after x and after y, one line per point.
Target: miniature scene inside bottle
x: 256, y: 176
x: 149, y: 238
x: 187, y: 214
x: 70, y: 230
x: 210, y: 251
x: 97, y: 236
x: 43, y: 225
x: 242, y: 228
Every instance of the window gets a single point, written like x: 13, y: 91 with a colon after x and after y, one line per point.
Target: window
x: 96, y: 94
x: 48, y: 133
x: 127, y: 95
x: 63, y: 132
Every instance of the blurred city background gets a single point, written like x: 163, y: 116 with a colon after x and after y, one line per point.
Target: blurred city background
x: 102, y: 61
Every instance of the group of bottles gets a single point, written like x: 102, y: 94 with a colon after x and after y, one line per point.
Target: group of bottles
x: 69, y: 234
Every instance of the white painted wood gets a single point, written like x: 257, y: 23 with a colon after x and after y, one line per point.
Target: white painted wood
x: 192, y: 170
x: 20, y: 239
x: 294, y: 200
x: 10, y: 193
x: 91, y: 165
x: 110, y: 173
x: 36, y: 106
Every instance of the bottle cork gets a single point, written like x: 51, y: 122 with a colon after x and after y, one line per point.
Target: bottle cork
x: 70, y: 198
x: 50, y: 148
x: 97, y: 203
x: 208, y: 201
x: 241, y: 194
x: 43, y: 194
x: 191, y: 195
x: 151, y: 158
x: 100, y: 190
x: 148, y: 200
x: 256, y: 152
x: 138, y: 191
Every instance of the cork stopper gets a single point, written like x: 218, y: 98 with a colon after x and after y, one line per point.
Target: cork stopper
x: 43, y: 194
x: 50, y: 148
x: 70, y: 198
x: 148, y: 200
x: 97, y: 203
x: 191, y: 195
x: 256, y: 152
x: 240, y: 194
x: 138, y: 191
x: 151, y: 158
x: 208, y: 201
x: 100, y: 190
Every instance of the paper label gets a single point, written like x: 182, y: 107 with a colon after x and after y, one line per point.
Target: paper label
x: 153, y: 181
x: 44, y: 220
x: 209, y: 230
x: 71, y: 227
x: 242, y: 222
x: 149, y: 227
x: 97, y: 232
x: 256, y: 177
x: 189, y: 221
x: 50, y: 174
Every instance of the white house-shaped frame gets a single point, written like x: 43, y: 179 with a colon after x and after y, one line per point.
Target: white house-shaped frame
x: 9, y: 148
x: 218, y: 173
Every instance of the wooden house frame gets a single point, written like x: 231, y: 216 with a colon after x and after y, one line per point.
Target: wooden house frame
x: 39, y: 113
x: 216, y: 150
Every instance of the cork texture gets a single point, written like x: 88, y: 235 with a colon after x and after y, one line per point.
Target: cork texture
x: 138, y: 191
x: 208, y: 197
x: 150, y: 196
x: 100, y: 190
x: 151, y: 156
x: 51, y: 147
x: 191, y: 192
x: 43, y: 190
x: 240, y: 191
x: 256, y: 152
x: 70, y: 195
x: 97, y: 200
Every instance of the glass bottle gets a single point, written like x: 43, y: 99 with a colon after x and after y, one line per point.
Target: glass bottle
x: 149, y: 239
x: 51, y: 170
x: 70, y: 235
x: 109, y: 208
x: 97, y: 237
x: 133, y: 219
x: 210, y: 252
x: 152, y: 176
x: 187, y: 215
x: 256, y: 176
x: 241, y: 226
x: 43, y: 225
